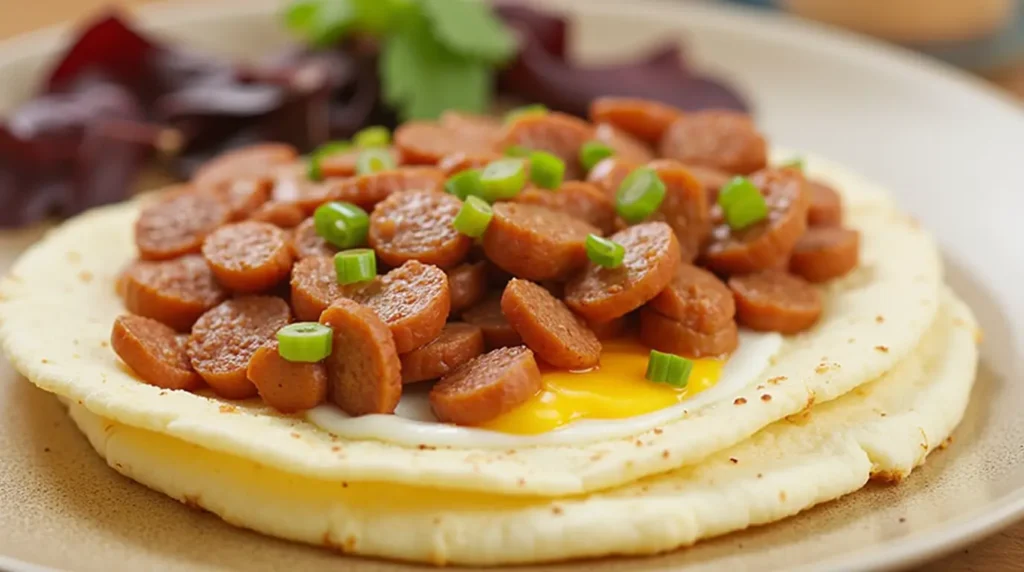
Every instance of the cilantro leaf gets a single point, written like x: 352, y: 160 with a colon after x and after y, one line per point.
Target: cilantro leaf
x: 320, y: 22
x: 470, y: 28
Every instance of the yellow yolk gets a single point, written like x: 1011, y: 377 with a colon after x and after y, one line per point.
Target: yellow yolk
x: 614, y: 389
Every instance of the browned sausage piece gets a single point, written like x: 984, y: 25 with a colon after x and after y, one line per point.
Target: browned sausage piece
x: 612, y: 328
x: 652, y: 255
x: 775, y: 301
x: 697, y: 298
x: 178, y: 223
x: 609, y: 173
x: 292, y: 185
x: 314, y: 287
x: 417, y: 225
x: 668, y: 335
x: 487, y: 315
x: 462, y: 161
x: 283, y: 215
x: 248, y: 256
x: 483, y: 128
x: 306, y: 242
x: 413, y: 300
x: 457, y: 344
x: 224, y: 339
x: 427, y: 142
x: 287, y: 386
x: 768, y: 243
x: 244, y: 196
x: 254, y: 162
x: 467, y: 285
x: 724, y: 140
x: 711, y: 179
x: 585, y: 201
x: 623, y: 144
x: 684, y: 208
x: 154, y: 353
x: 557, y: 133
x: 174, y: 292
x: 643, y: 119
x: 824, y: 253
x: 363, y: 369
x: 485, y: 387
x: 368, y: 190
x: 826, y: 206
x: 548, y: 327
x: 344, y: 164
x: 535, y: 242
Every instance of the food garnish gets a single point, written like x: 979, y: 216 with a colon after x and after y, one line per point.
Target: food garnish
x: 473, y: 217
x: 308, y: 342
x: 668, y: 368
x: 356, y: 265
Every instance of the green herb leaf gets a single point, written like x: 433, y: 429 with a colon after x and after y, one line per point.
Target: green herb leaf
x: 470, y: 28
x: 320, y: 22
x: 300, y: 15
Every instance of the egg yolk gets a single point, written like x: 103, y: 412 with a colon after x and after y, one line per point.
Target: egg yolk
x: 615, y: 389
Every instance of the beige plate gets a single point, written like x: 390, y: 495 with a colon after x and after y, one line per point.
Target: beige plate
x: 951, y: 151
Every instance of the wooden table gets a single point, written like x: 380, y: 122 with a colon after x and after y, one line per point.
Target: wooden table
x: 1001, y: 552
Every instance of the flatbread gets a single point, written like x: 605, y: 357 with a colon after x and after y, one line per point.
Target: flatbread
x: 59, y: 303
x: 883, y: 430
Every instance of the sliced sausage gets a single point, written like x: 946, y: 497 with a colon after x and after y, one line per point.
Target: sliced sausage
x: 413, y: 300
x: 363, y: 370
x: 584, y: 201
x: 667, y: 335
x: 467, y: 285
x: 154, y: 352
x: 548, y: 328
x: 483, y: 128
x: 724, y: 140
x: 773, y: 300
x: 711, y: 179
x: 427, y: 142
x: 174, y: 292
x: 824, y: 253
x: 766, y: 244
x: 487, y: 315
x: 279, y: 214
x: 287, y: 386
x: 697, y: 298
x: 535, y: 242
x: 306, y: 242
x: 344, y: 164
x: 368, y: 190
x: 292, y: 185
x: 609, y: 173
x: 646, y: 120
x: 612, y: 328
x: 826, y: 205
x: 178, y: 223
x: 417, y: 225
x: 557, y: 133
x: 244, y: 196
x: 314, y: 286
x: 457, y: 344
x: 684, y: 208
x: 248, y: 256
x: 454, y: 163
x: 623, y: 144
x: 254, y: 162
x: 600, y: 294
x: 224, y: 339
x: 485, y: 387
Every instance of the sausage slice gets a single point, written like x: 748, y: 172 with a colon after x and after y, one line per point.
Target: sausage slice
x: 584, y: 201
x: 427, y: 142
x: 292, y: 185
x: 548, y: 327
x: 178, y: 223
x: 154, y: 352
x: 287, y: 386
x: 454, y: 163
x: 623, y: 144
x: 652, y: 255
x: 483, y: 128
x: 824, y: 253
x: 457, y: 344
x: 609, y: 173
x: 557, y: 133
x: 253, y: 163
x: 535, y: 242
x: 277, y: 213
x: 497, y: 331
x: 314, y: 287
x: 368, y: 190
x: 467, y: 285
x: 244, y: 196
x: 641, y: 118
x: 684, y: 208
x: 826, y: 205
x: 485, y: 387
x: 224, y: 339
x: 306, y: 242
x: 248, y: 256
x: 697, y: 298
x: 711, y: 179
x: 344, y: 164
x: 773, y: 300
x: 174, y: 292
x: 417, y: 225
x: 413, y: 300
x: 363, y: 369
x: 612, y: 328
x: 668, y: 335
x: 724, y: 140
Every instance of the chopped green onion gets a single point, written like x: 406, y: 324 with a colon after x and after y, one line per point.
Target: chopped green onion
x: 668, y: 368
x: 516, y: 151
x: 374, y: 160
x: 473, y: 217
x: 356, y: 265
x: 535, y: 109
x: 639, y: 195
x: 503, y: 179
x: 604, y: 252
x: 342, y: 224
x: 327, y: 149
x: 592, y: 152
x: 370, y: 137
x: 794, y: 163
x: 742, y: 203
x: 307, y: 342
x: 546, y: 170
x: 464, y: 184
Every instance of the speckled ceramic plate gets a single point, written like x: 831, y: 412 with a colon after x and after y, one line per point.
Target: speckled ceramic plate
x: 951, y: 150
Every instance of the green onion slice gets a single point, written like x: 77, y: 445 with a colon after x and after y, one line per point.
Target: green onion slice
x: 535, y: 109
x: 356, y: 265
x: 639, y: 195
x: 327, y: 149
x: 473, y: 217
x: 516, y: 151
x: 342, y: 224
x: 371, y: 137
x: 592, y: 153
x: 374, y: 160
x: 503, y: 179
x: 546, y: 170
x: 668, y: 368
x: 307, y: 342
x: 604, y: 252
x: 464, y: 184
x: 742, y: 203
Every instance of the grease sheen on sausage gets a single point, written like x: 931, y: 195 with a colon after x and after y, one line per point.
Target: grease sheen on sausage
x: 417, y: 225
x: 306, y: 242
x: 248, y: 256
x: 578, y: 199
x: 644, y: 119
